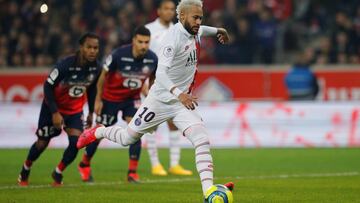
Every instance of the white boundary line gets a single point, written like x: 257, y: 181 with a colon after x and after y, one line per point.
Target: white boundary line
x: 174, y: 180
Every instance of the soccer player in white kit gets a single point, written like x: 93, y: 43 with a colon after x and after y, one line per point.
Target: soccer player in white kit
x: 158, y: 29
x: 170, y: 96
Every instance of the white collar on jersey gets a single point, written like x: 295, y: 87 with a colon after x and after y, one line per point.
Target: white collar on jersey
x: 183, y: 30
x: 157, y: 21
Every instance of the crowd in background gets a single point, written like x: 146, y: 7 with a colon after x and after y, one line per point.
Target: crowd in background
x: 261, y: 31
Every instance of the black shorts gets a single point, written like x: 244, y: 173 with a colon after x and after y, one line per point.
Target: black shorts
x: 46, y: 129
x: 110, y: 111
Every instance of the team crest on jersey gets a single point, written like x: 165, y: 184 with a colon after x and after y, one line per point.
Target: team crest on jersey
x: 146, y: 70
x: 138, y: 121
x: 168, y: 51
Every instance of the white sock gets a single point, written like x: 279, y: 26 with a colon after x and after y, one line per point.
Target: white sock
x: 26, y: 167
x: 204, y: 164
x: 117, y: 134
x: 174, y: 147
x: 99, y: 131
x: 152, y: 149
x: 58, y: 170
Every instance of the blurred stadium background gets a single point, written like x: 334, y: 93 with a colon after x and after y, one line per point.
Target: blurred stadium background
x: 242, y: 86
x: 262, y: 31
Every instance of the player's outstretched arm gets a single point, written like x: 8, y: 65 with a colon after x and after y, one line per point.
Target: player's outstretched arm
x: 222, y: 35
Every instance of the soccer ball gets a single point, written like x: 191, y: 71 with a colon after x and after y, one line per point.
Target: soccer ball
x: 219, y: 194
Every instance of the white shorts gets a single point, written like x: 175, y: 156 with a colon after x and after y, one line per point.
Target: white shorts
x: 153, y: 112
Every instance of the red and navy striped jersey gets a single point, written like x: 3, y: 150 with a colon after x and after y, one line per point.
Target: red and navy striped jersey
x: 126, y: 74
x: 69, y: 83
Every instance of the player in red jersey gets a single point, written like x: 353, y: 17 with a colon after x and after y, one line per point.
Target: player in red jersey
x: 70, y: 84
x: 118, y: 89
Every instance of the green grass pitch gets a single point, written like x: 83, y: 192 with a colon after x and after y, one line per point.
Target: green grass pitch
x: 260, y: 175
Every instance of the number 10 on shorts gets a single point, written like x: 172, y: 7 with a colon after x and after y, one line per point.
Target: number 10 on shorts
x: 145, y: 115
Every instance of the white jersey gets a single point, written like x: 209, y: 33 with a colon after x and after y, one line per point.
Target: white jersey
x: 179, y: 56
x: 158, y: 31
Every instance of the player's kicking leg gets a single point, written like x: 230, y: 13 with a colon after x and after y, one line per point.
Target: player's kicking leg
x: 117, y: 134
x: 144, y: 121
